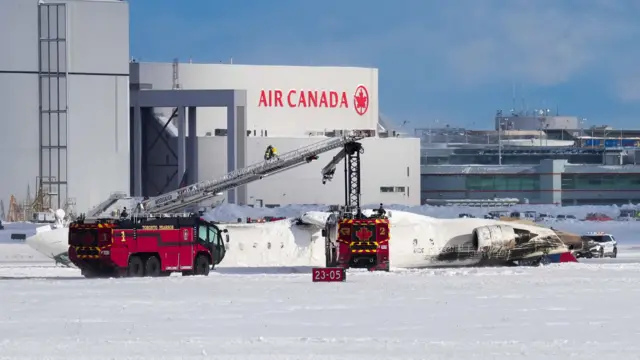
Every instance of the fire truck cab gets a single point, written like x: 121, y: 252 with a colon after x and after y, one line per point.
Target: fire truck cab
x: 146, y: 246
x: 358, y: 242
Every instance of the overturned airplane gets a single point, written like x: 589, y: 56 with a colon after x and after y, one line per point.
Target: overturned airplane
x: 417, y: 241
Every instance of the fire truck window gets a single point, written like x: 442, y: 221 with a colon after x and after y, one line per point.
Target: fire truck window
x: 202, y: 232
x: 214, y: 236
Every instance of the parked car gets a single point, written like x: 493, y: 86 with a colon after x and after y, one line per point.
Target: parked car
x: 465, y: 215
x: 563, y: 217
x: 597, y: 245
x: 497, y: 214
x: 545, y: 217
x: 597, y: 217
x: 628, y: 215
x: 525, y: 215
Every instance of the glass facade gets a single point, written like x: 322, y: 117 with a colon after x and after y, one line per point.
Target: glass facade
x: 515, y: 182
x: 601, y: 181
x: 546, y: 183
x: 489, y: 156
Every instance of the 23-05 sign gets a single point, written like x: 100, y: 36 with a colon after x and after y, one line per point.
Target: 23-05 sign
x: 329, y: 274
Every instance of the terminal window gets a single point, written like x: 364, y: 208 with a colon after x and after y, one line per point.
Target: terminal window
x: 600, y: 181
x: 390, y: 189
x: 514, y: 182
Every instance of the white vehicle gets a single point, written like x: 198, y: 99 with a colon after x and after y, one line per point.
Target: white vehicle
x: 598, y: 245
x: 628, y: 215
x: 545, y: 217
x: 563, y: 217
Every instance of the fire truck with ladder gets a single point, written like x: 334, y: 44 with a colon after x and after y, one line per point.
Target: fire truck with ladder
x: 156, y: 239
x: 352, y: 239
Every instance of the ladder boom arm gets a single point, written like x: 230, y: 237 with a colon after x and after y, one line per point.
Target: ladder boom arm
x: 330, y: 169
x: 195, y: 193
x: 351, y: 155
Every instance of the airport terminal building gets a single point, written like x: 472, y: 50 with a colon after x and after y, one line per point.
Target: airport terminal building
x: 550, y: 182
x: 82, y: 120
x: 557, y: 163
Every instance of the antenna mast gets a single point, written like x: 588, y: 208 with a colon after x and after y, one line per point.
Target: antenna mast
x: 513, y: 98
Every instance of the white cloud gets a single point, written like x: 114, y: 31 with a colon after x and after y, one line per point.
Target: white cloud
x: 627, y: 86
x: 535, y: 43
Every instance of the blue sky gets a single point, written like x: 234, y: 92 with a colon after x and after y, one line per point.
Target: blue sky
x: 456, y: 61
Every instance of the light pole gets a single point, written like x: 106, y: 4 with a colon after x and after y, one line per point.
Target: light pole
x: 500, y: 123
x: 500, y: 142
x: 436, y: 121
x: 581, y: 133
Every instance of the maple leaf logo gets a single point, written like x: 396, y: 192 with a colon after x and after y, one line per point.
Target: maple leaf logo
x: 361, y: 100
x: 363, y: 234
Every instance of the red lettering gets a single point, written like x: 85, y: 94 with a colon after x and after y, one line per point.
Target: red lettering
x: 323, y: 99
x: 301, y: 98
x: 313, y: 98
x: 291, y: 104
x: 278, y: 102
x: 263, y: 99
x: 333, y: 99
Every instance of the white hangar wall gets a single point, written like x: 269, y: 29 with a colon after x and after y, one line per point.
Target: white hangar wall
x: 282, y: 100
x: 79, y: 143
x: 277, y: 114
x: 390, y: 172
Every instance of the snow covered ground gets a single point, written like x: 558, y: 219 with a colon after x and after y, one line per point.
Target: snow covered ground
x: 17, y: 251
x: 583, y: 311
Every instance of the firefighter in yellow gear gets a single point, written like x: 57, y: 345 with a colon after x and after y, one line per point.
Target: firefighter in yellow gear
x: 270, y: 153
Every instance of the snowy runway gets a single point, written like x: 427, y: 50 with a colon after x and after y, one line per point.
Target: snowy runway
x: 582, y: 311
x: 585, y: 310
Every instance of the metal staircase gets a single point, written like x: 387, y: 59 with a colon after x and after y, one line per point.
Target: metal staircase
x: 180, y: 198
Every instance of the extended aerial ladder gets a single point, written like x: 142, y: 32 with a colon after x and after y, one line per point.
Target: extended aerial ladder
x: 181, y: 198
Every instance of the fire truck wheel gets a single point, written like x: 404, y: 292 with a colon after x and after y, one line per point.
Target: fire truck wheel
x: 89, y: 274
x: 201, y: 266
x: 152, y: 266
x: 136, y: 266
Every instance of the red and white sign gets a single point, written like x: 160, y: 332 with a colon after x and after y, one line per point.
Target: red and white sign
x: 361, y: 100
x: 328, y: 274
x: 316, y: 99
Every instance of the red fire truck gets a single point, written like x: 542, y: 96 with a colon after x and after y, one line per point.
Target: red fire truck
x: 146, y: 246
x: 363, y: 243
